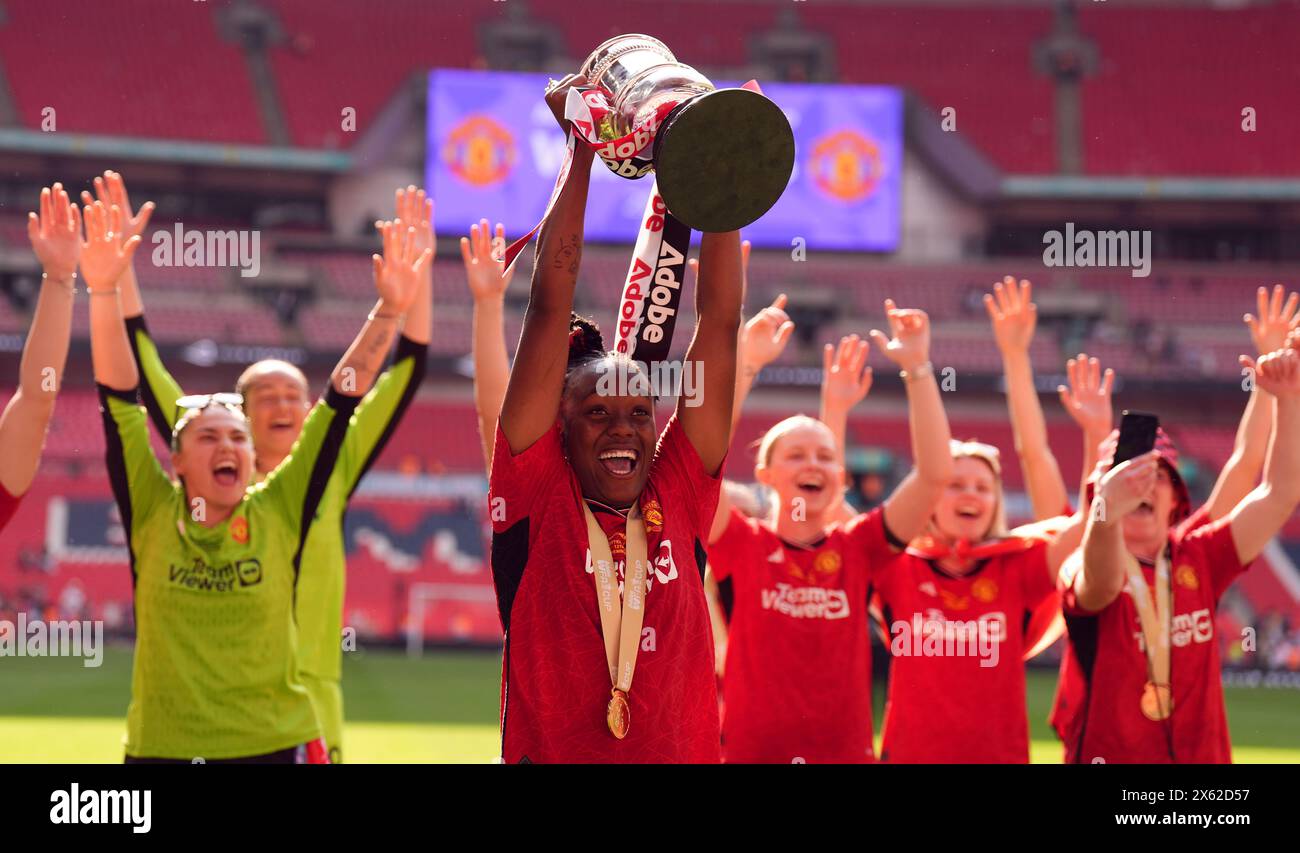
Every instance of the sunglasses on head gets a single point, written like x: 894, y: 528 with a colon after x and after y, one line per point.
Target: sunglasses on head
x: 202, y: 401
x: 192, y: 405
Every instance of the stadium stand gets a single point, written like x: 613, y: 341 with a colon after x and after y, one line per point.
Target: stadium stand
x: 1145, y: 102
x: 124, y: 58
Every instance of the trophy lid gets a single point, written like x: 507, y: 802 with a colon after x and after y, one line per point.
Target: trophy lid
x: 600, y: 59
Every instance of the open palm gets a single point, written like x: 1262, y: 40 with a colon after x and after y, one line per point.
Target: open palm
x: 55, y: 233
x: 399, y: 271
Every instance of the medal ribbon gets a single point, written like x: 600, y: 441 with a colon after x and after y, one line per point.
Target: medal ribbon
x: 1154, y: 621
x: 621, y: 627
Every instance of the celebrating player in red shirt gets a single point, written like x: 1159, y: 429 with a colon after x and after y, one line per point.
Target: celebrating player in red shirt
x: 56, y: 239
x: 578, y: 484
x: 1239, y: 475
x: 1140, y: 608
x: 955, y: 606
x: 798, y: 673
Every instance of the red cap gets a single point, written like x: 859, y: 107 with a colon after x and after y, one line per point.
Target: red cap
x: 1168, y: 454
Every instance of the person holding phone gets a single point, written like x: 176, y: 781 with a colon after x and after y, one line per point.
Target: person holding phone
x: 1140, y: 599
x: 1276, y: 317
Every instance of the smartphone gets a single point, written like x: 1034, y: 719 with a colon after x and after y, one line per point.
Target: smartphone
x: 1137, y: 435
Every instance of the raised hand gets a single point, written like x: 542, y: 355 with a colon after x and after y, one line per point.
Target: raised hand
x: 1087, y: 400
x: 558, y: 93
x: 110, y: 190
x: 415, y: 209
x: 105, y: 255
x: 56, y: 234
x: 1013, y: 313
x: 488, y: 278
x: 1278, y: 372
x: 764, y: 336
x: 399, y: 271
x: 1128, y: 484
x: 1269, y: 329
x: 909, y: 347
x: 844, y: 382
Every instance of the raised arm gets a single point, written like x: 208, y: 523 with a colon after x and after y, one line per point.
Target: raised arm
x: 532, y: 400
x: 378, y: 413
x: 908, y: 510
x: 110, y: 190
x: 1260, y: 516
x: 415, y: 209
x: 1014, y: 317
x: 761, y: 341
x: 1241, y: 472
x: 762, y: 338
x: 103, y: 257
x: 488, y: 281
x: 159, y: 390
x: 1105, y: 557
x: 398, y: 277
x: 55, y: 235
x: 846, y: 381
x: 713, y: 349
x: 1087, y: 401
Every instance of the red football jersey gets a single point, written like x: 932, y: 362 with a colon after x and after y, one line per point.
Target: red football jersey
x: 555, y: 680
x: 797, y: 684
x: 1106, y: 650
x: 957, y: 674
x: 1071, y: 690
x: 8, y: 506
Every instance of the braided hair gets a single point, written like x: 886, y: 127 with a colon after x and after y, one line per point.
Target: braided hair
x: 585, y: 343
x: 587, y: 347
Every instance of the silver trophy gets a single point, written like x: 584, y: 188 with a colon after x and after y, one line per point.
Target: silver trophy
x: 722, y: 157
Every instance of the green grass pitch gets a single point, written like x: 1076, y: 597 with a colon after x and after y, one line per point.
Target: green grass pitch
x: 443, y: 708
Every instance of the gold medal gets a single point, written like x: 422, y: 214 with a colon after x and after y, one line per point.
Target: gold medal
x: 1157, y: 702
x: 620, y: 627
x: 617, y: 715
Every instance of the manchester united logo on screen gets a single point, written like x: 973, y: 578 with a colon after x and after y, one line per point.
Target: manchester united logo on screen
x: 480, y: 151
x: 846, y: 165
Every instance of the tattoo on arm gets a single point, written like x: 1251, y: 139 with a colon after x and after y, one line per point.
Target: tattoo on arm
x: 380, y: 343
x: 568, y: 253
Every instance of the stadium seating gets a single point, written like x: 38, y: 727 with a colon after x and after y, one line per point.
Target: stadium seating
x: 317, y: 67
x: 1147, y: 98
x: 188, y: 85
x: 1153, y: 97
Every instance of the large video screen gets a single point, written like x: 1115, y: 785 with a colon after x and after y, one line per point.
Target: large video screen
x: 494, y: 150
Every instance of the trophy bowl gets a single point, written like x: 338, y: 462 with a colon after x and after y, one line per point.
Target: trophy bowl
x: 722, y: 157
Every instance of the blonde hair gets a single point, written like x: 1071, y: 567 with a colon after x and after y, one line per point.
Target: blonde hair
x: 781, y: 429
x: 990, y: 456
x: 258, y: 369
